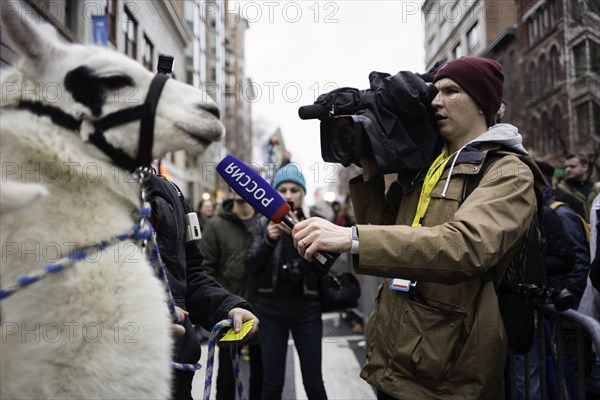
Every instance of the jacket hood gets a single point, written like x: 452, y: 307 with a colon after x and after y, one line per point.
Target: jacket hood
x: 508, y: 136
x: 505, y: 134
x: 501, y: 135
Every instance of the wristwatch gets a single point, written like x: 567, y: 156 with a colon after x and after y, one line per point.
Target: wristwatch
x: 355, y: 243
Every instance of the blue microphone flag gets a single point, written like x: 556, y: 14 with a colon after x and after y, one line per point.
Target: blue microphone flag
x: 253, y: 188
x: 264, y: 198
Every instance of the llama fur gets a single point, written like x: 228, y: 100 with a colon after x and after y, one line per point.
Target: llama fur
x: 100, y: 329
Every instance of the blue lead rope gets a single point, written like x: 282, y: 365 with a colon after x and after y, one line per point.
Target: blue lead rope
x: 212, y: 341
x: 210, y: 362
x: 137, y: 233
x: 141, y: 232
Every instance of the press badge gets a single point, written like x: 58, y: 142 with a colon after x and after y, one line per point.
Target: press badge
x: 402, y: 285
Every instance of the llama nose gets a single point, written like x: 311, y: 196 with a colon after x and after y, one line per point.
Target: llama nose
x: 211, y: 108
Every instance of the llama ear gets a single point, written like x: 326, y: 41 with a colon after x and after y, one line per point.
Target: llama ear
x: 30, y: 40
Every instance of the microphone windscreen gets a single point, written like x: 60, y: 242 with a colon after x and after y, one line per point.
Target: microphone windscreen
x: 313, y: 111
x: 253, y: 188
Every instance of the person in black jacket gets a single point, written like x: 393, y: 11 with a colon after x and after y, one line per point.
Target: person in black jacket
x: 569, y: 280
x: 288, y: 295
x: 206, y: 302
x: 225, y: 240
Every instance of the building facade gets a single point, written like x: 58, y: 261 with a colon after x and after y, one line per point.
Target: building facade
x: 455, y: 28
x: 215, y: 62
x: 559, y: 62
x: 550, y: 50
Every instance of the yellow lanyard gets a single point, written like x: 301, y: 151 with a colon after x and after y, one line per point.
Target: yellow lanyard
x: 431, y: 179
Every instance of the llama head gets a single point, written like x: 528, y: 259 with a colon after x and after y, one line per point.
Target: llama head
x: 89, y: 82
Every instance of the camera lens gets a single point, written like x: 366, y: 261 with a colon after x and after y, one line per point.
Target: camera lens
x: 344, y: 142
x: 563, y: 302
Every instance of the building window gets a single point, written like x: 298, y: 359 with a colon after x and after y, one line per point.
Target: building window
x: 111, y: 16
x: 583, y: 120
x: 580, y: 59
x: 130, y: 34
x: 554, y: 67
x: 431, y: 46
x: 531, y: 89
x: 586, y: 55
x: 530, y: 31
x: 457, y: 52
x: 577, y: 8
x: 594, y: 57
x: 71, y: 15
x: 534, y: 134
x: 444, y: 30
x: 540, y: 18
x: 556, y: 129
x: 473, y: 37
x: 148, y: 54
x: 544, y: 76
x: 588, y: 119
x: 596, y: 116
x: 552, y: 8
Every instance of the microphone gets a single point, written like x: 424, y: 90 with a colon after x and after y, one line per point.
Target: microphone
x: 264, y: 198
x: 313, y: 111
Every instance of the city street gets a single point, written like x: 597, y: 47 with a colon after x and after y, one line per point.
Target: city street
x: 343, y: 356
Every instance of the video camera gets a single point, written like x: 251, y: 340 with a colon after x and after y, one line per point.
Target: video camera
x: 540, y: 294
x: 392, y: 122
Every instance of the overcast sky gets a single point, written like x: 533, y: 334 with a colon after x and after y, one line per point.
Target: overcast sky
x: 296, y: 50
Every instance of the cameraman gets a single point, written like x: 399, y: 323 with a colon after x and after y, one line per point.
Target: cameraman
x: 444, y: 336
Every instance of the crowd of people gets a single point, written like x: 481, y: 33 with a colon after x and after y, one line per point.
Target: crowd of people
x: 432, y: 246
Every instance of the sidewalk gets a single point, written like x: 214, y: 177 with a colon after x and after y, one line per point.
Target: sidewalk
x: 343, y: 356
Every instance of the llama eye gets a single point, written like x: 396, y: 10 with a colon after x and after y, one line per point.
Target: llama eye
x: 90, y: 89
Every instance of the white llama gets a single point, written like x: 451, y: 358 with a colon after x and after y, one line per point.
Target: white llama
x: 99, y: 329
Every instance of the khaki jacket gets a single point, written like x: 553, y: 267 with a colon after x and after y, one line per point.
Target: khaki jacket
x: 444, y: 339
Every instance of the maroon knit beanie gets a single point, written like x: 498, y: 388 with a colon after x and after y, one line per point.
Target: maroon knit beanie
x: 481, y: 78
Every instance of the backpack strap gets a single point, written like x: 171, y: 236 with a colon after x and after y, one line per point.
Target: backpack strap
x: 470, y: 185
x: 491, y: 274
x: 474, y: 180
x: 556, y: 204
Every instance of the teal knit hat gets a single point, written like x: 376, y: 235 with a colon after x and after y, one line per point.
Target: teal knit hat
x: 289, y: 173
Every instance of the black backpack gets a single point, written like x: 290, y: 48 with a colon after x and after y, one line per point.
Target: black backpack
x: 515, y: 301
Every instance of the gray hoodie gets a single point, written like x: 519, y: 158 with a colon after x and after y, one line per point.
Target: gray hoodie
x: 505, y: 134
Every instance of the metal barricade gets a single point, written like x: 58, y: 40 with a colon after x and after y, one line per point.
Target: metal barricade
x: 560, y: 360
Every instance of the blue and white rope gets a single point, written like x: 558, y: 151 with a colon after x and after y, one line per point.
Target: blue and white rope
x: 160, y: 270
x: 141, y: 232
x: 212, y: 342
x: 137, y: 233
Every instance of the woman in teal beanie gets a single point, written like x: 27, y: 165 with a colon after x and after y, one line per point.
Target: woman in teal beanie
x: 288, y: 295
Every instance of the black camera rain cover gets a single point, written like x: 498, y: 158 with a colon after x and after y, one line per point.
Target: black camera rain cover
x: 403, y: 131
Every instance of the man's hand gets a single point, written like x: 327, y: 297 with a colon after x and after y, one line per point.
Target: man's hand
x: 240, y: 315
x: 176, y: 329
x: 318, y: 234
